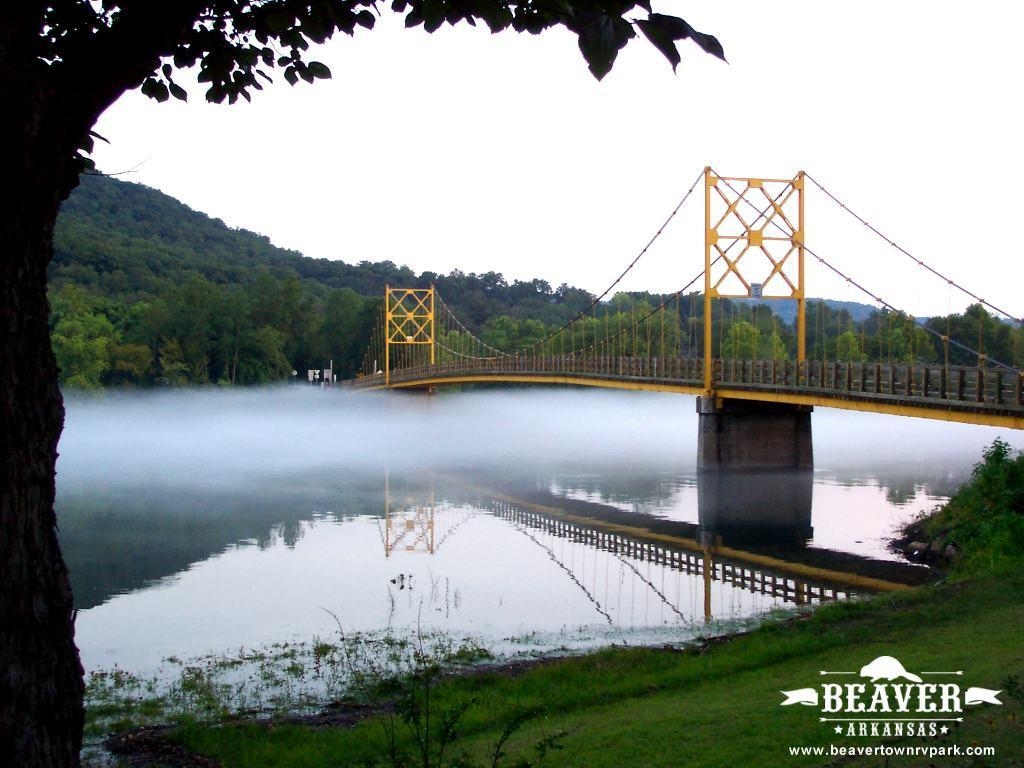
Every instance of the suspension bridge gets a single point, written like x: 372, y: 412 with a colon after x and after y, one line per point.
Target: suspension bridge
x: 756, y: 388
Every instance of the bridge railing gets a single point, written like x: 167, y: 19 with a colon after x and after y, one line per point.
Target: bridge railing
x: 930, y: 384
x: 963, y: 387
x: 676, y: 370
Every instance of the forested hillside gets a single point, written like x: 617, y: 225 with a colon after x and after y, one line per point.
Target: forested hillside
x: 147, y: 292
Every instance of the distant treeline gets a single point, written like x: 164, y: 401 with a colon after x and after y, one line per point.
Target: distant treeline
x: 147, y: 292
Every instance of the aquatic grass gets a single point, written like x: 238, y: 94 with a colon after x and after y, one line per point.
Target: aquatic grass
x: 286, y: 678
x: 280, y: 678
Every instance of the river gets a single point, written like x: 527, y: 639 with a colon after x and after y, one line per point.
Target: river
x: 198, y: 523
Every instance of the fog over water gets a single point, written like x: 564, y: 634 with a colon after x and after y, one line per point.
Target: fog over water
x: 218, y: 437
x: 199, y: 520
x: 213, y: 437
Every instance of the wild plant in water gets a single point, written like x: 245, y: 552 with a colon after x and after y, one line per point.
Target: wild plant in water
x: 421, y: 726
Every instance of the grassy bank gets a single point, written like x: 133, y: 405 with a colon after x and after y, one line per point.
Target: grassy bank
x: 717, y: 703
x: 984, y: 519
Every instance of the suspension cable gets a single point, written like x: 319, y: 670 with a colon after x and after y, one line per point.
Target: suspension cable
x: 917, y: 321
x: 451, y: 351
x: 910, y: 256
x: 449, y: 313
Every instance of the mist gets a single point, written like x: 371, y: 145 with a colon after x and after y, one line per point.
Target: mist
x: 224, y: 437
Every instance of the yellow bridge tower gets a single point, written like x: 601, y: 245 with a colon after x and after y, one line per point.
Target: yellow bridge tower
x: 762, y: 220
x: 408, y: 320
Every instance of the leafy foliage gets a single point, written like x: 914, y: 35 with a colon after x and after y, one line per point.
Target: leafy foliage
x: 235, y: 47
x: 81, y: 340
x: 985, y: 517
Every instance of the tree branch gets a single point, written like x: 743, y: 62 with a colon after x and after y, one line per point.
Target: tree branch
x: 95, y: 72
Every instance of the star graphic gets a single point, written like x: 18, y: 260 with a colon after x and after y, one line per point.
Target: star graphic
x: 839, y: 729
x: 944, y: 730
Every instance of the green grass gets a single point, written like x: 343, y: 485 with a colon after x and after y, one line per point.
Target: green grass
x: 714, y: 705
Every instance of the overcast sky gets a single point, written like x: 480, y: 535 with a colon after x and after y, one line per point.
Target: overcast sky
x: 478, y: 152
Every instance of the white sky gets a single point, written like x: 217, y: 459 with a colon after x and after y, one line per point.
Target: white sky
x: 463, y: 150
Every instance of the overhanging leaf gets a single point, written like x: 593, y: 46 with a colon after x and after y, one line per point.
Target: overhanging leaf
x: 154, y: 89
x: 433, y: 15
x: 601, y: 38
x: 177, y: 91
x: 661, y: 41
x: 319, y: 70
x: 677, y: 29
x: 279, y: 21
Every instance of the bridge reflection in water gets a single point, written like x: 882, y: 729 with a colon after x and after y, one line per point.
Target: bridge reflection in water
x: 748, y: 552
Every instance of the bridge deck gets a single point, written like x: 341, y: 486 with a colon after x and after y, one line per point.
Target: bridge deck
x: 951, y: 393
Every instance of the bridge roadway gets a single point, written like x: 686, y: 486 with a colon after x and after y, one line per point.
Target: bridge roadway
x: 971, y: 395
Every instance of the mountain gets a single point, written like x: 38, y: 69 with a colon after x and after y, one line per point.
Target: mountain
x: 117, y: 238
x: 125, y: 241
x: 785, y: 309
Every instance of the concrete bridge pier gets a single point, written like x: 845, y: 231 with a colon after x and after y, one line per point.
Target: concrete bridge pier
x: 739, y: 435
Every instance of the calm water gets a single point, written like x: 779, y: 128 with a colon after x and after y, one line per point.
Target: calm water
x: 198, y: 523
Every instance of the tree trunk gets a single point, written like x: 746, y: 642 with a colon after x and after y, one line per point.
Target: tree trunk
x: 50, y: 102
x: 41, y: 686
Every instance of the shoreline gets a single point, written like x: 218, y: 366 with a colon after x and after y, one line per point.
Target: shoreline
x: 971, y: 624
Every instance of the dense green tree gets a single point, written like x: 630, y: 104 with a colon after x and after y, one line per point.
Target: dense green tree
x: 741, y: 342
x: 345, y: 329
x: 981, y: 332
x: 510, y: 335
x: 770, y: 346
x: 62, y: 64
x: 82, y: 337
x: 824, y: 326
x: 129, y: 246
x: 262, y: 358
x: 848, y: 348
x: 82, y: 344
x: 201, y: 333
x: 895, y: 337
x: 172, y: 369
x: 131, y: 364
